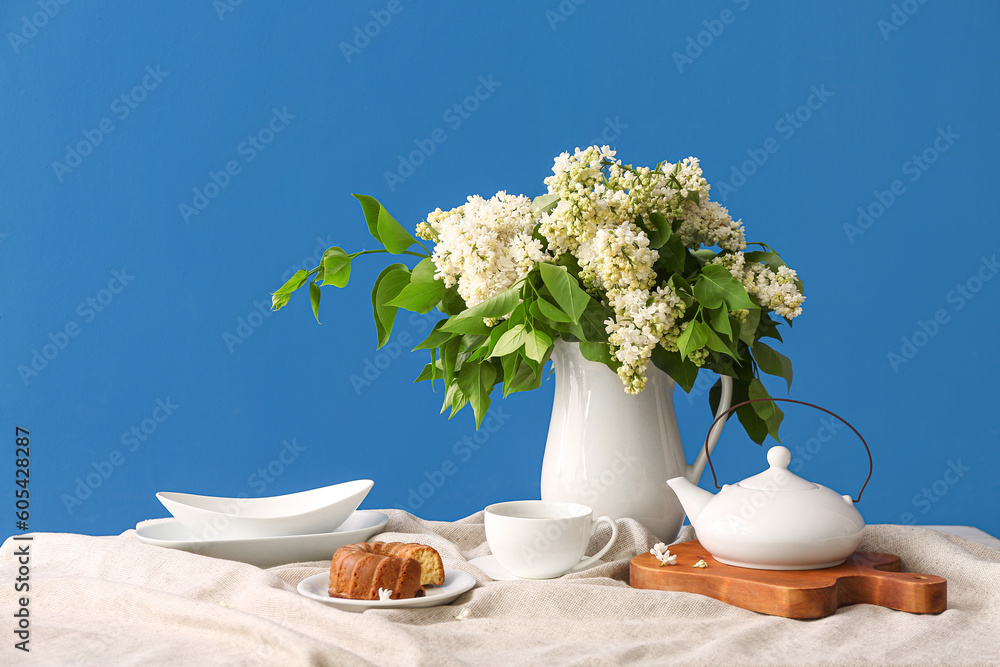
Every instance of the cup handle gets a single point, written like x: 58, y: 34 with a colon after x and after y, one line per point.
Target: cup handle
x: 587, y: 562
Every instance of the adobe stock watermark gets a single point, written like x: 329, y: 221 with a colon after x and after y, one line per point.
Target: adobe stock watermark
x: 696, y: 44
x: 463, y: 450
x: 898, y: 17
x: 258, y: 481
x: 958, y: 297
x: 31, y: 24
x: 374, y: 365
x: 609, y: 133
x: 131, y: 440
x: 249, y: 149
x: 311, y: 261
x: 454, y: 116
x: 247, y: 324
x: 562, y: 12
x: 223, y: 7
x: 121, y: 108
x: 936, y: 490
x: 914, y: 168
x: 363, y: 35
x: 87, y: 310
x: 786, y: 126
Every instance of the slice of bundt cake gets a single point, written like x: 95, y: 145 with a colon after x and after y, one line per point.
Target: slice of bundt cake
x: 358, y: 571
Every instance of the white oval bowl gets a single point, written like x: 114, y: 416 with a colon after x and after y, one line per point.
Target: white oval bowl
x: 304, y: 513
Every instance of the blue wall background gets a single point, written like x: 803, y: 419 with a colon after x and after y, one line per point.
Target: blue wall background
x: 100, y: 247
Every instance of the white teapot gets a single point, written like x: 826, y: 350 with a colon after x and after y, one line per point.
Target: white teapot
x: 774, y: 520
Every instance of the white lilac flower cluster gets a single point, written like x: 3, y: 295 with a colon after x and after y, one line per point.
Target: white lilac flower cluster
x: 485, y: 246
x: 777, y: 291
x: 595, y: 220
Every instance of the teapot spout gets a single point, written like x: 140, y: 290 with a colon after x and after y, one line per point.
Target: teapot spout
x: 693, y: 498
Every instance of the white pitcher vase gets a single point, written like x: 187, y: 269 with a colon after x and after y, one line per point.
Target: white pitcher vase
x: 614, y: 451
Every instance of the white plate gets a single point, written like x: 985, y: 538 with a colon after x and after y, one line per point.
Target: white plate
x: 265, y: 551
x: 455, y: 583
x: 495, y: 571
x: 304, y: 513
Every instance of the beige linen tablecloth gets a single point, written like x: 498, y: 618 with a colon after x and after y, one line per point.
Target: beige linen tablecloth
x: 116, y: 601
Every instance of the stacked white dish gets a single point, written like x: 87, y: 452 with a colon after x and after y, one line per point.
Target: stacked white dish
x: 297, y: 527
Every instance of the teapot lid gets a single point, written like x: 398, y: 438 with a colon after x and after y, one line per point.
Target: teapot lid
x: 778, y: 477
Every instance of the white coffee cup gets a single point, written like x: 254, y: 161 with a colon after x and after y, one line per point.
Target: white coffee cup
x: 539, y: 539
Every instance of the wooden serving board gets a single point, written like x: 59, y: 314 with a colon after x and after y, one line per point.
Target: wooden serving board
x: 868, y: 578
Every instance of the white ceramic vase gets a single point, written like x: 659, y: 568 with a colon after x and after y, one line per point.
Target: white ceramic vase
x: 614, y: 451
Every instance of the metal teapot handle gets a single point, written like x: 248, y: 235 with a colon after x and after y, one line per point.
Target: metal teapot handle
x: 787, y: 400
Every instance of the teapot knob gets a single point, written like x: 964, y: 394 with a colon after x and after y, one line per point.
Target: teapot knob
x: 779, y: 457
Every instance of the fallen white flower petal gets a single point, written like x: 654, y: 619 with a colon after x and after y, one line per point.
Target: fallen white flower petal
x: 662, y: 554
x: 384, y: 594
x: 464, y: 615
x: 700, y: 563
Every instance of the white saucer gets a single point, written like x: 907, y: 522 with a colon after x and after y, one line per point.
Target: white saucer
x: 265, y: 551
x: 456, y: 582
x: 495, y: 571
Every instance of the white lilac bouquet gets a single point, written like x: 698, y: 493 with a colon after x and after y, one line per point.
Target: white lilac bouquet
x: 637, y: 265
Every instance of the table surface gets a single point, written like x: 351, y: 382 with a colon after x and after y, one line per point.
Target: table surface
x: 116, y: 600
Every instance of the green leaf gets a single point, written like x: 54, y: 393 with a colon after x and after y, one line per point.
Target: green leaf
x: 449, y: 358
x: 424, y: 271
x: 419, y: 297
x: 388, y: 284
x: 768, y: 328
x: 384, y: 227
x: 717, y: 286
x: 510, y: 341
x: 748, y: 328
x: 426, y: 374
x: 536, y: 344
x: 719, y: 317
x: 682, y: 288
x: 592, y: 322
x: 766, y: 410
x: 565, y: 289
x: 683, y: 371
x: 371, y: 208
x: 552, y: 312
x: 280, y: 298
x: 694, y: 337
x: 673, y: 254
x: 754, y: 426
x: 393, y: 235
x: 336, y: 267
x: 599, y: 352
x: 659, y: 230
x: 471, y: 320
x: 544, y: 203
x: 772, y: 362
x: 714, y: 342
x: 518, y: 375
x: 476, y: 382
x: 314, y: 295
x: 435, y: 338
x: 455, y: 399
